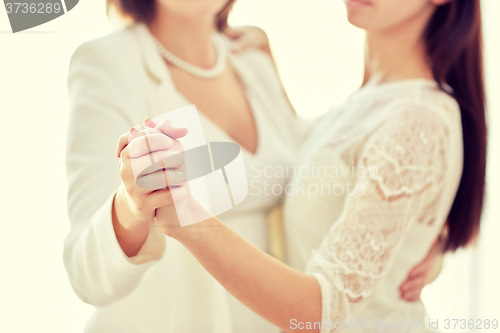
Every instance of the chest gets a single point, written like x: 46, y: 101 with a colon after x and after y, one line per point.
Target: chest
x: 224, y: 101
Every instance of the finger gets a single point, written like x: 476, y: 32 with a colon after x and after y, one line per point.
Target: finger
x: 122, y: 143
x: 132, y: 134
x: 140, y: 130
x: 136, y: 166
x: 421, y: 268
x: 169, y: 128
x: 162, y: 198
x: 149, y: 143
x: 126, y: 138
x: 242, y: 43
x: 161, y: 179
x: 178, y: 146
x: 413, y: 284
x: 173, y: 161
x: 149, y: 123
x: 239, y: 45
x: 233, y: 32
x: 411, y: 296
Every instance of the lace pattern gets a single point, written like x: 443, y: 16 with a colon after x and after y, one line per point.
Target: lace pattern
x: 408, y: 158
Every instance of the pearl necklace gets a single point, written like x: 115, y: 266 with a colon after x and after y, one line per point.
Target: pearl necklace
x: 196, y: 71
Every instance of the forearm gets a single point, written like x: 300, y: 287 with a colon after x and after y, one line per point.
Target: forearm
x: 273, y: 290
x: 130, y: 234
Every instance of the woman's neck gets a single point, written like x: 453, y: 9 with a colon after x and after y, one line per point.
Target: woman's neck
x: 188, y: 39
x: 397, y: 54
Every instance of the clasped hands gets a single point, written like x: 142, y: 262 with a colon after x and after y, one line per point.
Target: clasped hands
x: 154, y: 183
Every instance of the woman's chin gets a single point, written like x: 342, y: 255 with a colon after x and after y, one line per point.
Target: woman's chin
x: 357, y: 21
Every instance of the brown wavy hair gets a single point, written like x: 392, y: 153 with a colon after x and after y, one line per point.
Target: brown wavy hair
x: 145, y: 11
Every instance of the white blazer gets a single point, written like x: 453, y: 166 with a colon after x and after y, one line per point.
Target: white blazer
x: 114, y: 83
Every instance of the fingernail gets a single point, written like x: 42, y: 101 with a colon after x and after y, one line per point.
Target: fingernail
x: 170, y: 144
x: 178, y: 193
x: 133, y: 129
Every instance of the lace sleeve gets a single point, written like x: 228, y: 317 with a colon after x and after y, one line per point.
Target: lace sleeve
x: 405, y: 161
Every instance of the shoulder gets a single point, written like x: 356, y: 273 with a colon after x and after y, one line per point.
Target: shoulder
x: 423, y: 127
x: 417, y: 145
x: 428, y: 103
x: 110, y: 68
x: 107, y: 75
x: 416, y: 108
x: 416, y: 111
x: 113, y: 43
x: 113, y: 52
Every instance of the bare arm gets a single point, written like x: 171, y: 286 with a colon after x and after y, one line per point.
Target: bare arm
x: 272, y: 289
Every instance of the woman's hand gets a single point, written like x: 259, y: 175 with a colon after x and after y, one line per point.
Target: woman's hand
x: 184, y: 213
x: 246, y: 37
x: 134, y: 206
x: 424, y: 273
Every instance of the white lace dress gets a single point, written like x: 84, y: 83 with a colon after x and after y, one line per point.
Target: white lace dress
x: 373, y: 188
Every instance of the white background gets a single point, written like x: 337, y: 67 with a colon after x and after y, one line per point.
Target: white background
x: 320, y: 59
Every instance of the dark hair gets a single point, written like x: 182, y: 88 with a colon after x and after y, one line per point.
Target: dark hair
x: 454, y: 46
x: 145, y: 10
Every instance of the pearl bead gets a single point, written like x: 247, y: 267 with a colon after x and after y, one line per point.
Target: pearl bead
x: 196, y: 71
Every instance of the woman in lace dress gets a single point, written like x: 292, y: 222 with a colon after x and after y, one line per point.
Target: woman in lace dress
x: 401, y: 157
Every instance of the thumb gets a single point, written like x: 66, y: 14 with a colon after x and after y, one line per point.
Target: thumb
x: 168, y: 128
x: 233, y: 33
x: 242, y: 43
